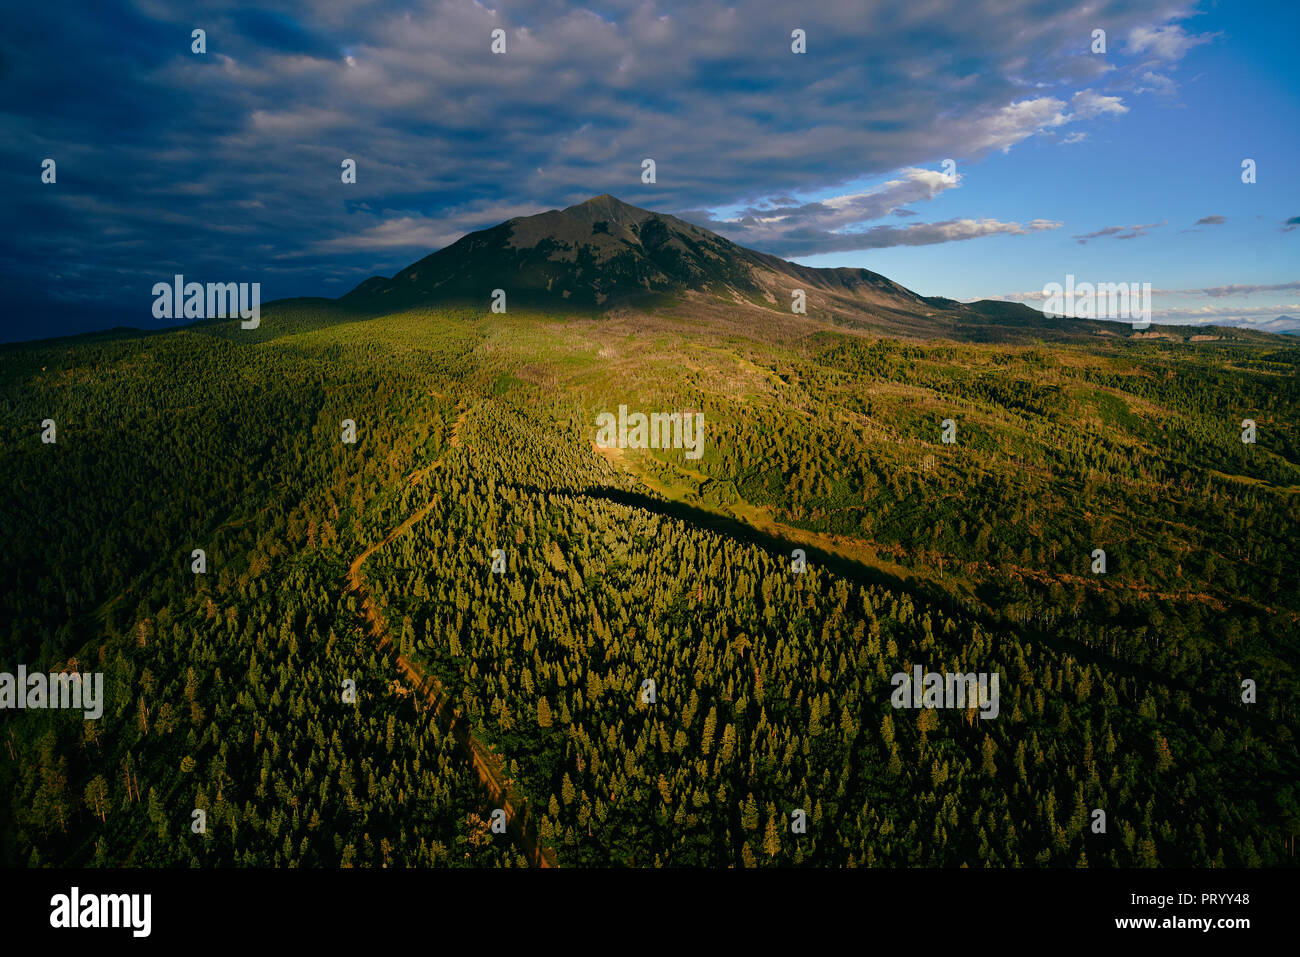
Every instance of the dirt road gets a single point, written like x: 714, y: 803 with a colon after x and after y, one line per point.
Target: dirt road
x: 487, y: 765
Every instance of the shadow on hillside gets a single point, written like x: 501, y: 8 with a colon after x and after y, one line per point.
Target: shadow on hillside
x: 920, y: 589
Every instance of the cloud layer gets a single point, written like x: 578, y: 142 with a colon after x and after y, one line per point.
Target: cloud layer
x: 226, y: 165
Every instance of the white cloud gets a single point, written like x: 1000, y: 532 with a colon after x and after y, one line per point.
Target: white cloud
x: 1156, y: 83
x: 1169, y: 42
x: 1087, y: 104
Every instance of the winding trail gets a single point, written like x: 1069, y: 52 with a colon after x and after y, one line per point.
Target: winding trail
x: 486, y: 763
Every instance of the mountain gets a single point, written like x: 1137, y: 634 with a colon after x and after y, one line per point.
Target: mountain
x: 1280, y: 326
x: 605, y: 253
x: 1283, y: 325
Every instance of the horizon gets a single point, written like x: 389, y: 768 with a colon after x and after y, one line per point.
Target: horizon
x: 173, y: 293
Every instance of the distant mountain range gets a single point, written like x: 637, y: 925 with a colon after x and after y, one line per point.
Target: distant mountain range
x: 1283, y: 325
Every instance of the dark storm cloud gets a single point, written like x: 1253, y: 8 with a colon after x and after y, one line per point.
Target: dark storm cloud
x: 225, y: 166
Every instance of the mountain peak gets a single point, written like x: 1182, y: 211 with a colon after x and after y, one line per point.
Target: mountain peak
x: 604, y: 252
x: 601, y: 200
x: 609, y: 209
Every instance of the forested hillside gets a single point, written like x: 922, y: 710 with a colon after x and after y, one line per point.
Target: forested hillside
x: 1121, y: 691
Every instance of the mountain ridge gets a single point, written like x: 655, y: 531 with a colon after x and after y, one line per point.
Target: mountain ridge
x: 603, y: 253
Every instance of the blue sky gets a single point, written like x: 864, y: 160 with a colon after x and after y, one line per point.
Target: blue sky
x: 224, y: 166
x: 1171, y: 159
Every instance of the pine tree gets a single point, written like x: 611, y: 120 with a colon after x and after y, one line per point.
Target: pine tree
x: 749, y: 813
x: 97, y: 796
x: 895, y: 763
x: 989, y: 769
x: 726, y: 752
x: 771, y: 839
x: 1164, y: 760
x: 710, y: 725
